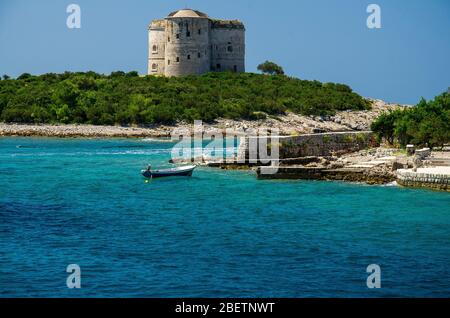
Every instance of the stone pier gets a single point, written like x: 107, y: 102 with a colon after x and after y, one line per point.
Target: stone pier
x: 435, y: 178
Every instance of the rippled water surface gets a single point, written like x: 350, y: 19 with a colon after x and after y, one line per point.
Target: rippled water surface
x: 217, y: 234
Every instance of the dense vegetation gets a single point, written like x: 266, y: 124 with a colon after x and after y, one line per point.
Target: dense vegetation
x: 126, y: 98
x: 427, y: 124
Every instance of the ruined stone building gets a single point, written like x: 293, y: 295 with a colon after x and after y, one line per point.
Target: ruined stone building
x: 189, y: 42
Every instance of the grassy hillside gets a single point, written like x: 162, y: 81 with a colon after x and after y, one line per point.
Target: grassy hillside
x: 129, y: 99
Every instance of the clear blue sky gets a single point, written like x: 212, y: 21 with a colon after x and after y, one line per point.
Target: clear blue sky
x: 326, y: 40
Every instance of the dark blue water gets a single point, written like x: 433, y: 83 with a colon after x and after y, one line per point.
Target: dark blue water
x: 219, y: 233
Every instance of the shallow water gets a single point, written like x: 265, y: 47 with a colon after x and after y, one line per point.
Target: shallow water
x: 217, y: 234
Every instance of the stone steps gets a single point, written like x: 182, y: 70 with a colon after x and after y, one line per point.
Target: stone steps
x: 373, y: 163
x: 366, y: 166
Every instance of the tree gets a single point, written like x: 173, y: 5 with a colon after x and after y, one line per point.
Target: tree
x: 426, y: 124
x: 24, y: 76
x: 270, y: 68
x: 132, y: 74
x: 127, y: 98
x: 6, y: 77
x: 385, y: 125
x: 117, y: 74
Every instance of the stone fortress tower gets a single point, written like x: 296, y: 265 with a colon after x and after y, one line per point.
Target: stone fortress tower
x: 188, y: 42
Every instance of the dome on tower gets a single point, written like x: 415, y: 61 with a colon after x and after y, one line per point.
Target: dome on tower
x: 188, y: 13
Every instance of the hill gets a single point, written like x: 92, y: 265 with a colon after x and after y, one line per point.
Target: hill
x: 126, y: 98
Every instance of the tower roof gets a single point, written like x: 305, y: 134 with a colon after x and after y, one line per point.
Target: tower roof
x: 187, y: 13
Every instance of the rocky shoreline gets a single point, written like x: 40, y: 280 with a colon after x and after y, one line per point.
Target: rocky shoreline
x: 75, y: 131
x: 374, y: 166
x: 287, y: 124
x: 370, y: 166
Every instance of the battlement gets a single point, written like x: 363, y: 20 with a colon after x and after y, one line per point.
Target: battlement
x: 215, y: 24
x: 157, y: 24
x: 227, y: 24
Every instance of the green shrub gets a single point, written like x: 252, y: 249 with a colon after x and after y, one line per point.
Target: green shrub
x: 126, y: 98
x: 326, y: 139
x: 348, y: 139
x: 426, y: 124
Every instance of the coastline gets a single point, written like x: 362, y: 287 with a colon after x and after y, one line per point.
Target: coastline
x: 370, y: 166
x: 288, y: 124
x: 79, y: 131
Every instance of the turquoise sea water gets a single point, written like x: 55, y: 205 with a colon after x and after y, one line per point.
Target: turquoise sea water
x: 217, y: 234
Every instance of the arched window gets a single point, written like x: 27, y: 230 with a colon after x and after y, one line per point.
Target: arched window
x: 188, y: 57
x: 230, y: 48
x: 155, y: 49
x: 154, y: 67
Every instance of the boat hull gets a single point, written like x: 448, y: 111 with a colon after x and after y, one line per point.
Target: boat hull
x: 168, y: 173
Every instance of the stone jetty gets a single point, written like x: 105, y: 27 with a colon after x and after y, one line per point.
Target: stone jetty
x: 434, y: 177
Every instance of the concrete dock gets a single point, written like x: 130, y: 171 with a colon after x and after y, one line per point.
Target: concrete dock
x: 433, y: 177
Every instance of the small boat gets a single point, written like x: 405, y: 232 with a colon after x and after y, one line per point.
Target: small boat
x: 174, y: 172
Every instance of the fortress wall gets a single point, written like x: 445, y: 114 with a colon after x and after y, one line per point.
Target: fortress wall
x: 314, y: 145
x: 228, y: 49
x: 191, y: 46
x: 187, y: 42
x: 157, y: 46
x: 325, y: 144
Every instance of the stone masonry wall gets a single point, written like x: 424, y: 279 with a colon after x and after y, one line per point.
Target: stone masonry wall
x: 326, y: 144
x: 157, y: 48
x: 228, y: 49
x: 188, y: 51
x: 409, y: 178
x: 180, y: 46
